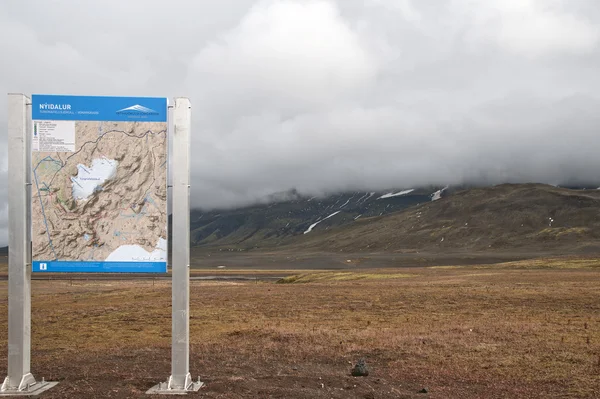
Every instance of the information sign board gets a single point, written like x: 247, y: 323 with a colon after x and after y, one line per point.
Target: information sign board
x: 99, y: 184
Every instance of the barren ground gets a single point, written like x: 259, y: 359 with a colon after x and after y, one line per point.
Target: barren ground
x: 522, y: 330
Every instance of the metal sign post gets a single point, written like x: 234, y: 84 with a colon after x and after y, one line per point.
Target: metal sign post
x: 20, y: 381
x: 180, y: 381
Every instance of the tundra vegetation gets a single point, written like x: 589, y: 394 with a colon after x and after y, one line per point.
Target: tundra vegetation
x: 527, y: 329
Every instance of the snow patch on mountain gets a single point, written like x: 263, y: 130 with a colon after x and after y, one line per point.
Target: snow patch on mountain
x: 366, y: 197
x: 312, y: 226
x: 403, y: 192
x: 438, y: 194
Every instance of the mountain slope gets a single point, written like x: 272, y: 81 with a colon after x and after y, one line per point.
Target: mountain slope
x: 291, y: 215
x: 525, y: 217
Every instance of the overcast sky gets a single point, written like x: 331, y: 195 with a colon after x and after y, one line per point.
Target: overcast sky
x: 332, y: 95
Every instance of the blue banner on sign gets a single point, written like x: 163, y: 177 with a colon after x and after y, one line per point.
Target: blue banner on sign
x: 98, y: 267
x: 98, y: 108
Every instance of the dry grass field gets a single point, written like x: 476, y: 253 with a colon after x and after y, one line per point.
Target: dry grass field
x: 515, y: 330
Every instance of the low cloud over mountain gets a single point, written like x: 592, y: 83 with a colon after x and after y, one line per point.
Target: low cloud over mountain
x: 326, y: 96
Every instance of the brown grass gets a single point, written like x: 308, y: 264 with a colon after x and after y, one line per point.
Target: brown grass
x: 461, y: 332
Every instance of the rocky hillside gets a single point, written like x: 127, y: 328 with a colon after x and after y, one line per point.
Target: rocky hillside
x: 290, y: 215
x: 529, y: 217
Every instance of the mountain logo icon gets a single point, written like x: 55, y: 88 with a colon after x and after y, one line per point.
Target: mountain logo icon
x: 137, y: 110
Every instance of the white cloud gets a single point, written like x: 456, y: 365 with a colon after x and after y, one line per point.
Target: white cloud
x: 301, y: 52
x: 325, y: 95
x: 403, y: 8
x: 532, y: 28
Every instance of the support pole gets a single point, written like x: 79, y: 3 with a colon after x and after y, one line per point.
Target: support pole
x: 180, y: 381
x: 20, y: 381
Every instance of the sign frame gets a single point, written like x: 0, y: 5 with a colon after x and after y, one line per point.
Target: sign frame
x: 180, y: 381
x: 20, y: 381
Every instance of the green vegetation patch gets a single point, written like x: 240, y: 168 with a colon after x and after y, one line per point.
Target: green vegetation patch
x: 555, y: 263
x: 541, y: 263
x: 558, y: 232
x: 340, y: 276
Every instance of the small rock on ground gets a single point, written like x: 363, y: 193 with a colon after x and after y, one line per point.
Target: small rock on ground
x: 361, y: 369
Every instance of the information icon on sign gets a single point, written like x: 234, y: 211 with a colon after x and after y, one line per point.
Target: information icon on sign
x: 43, y: 266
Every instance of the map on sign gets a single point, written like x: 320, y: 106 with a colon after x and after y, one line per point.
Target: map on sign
x: 99, y: 184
